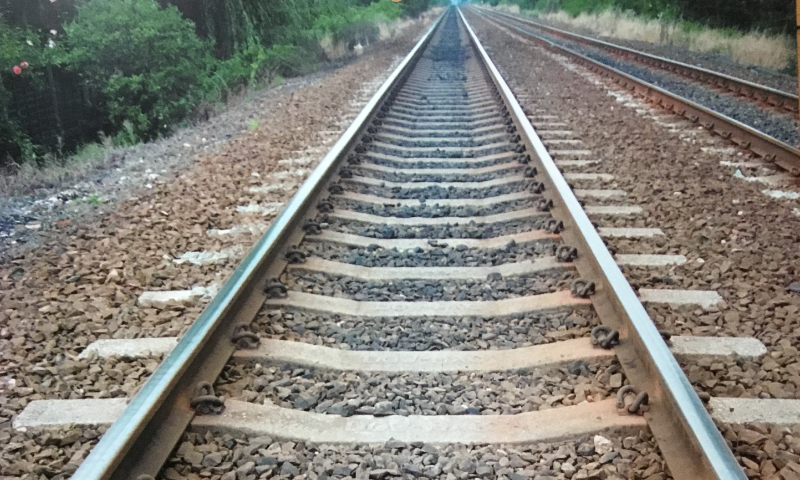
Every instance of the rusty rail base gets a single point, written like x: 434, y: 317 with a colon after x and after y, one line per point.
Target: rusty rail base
x: 771, y: 150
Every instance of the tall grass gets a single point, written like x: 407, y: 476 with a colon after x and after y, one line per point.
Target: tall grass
x: 752, y: 48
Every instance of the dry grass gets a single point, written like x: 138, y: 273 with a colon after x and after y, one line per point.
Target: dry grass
x: 391, y: 31
x: 386, y: 31
x: 25, y: 178
x: 754, y: 48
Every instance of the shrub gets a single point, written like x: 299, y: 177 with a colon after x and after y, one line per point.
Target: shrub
x: 344, y: 20
x: 255, y: 63
x: 16, y: 46
x: 147, y: 62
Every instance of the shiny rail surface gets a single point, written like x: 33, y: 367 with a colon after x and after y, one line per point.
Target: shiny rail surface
x: 762, y: 145
x: 444, y: 131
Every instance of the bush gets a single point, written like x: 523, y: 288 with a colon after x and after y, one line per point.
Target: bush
x: 343, y: 20
x: 14, y: 50
x: 255, y: 63
x: 147, y: 62
x: 414, y: 7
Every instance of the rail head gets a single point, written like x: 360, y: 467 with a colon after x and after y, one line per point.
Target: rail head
x: 140, y: 441
x: 677, y: 418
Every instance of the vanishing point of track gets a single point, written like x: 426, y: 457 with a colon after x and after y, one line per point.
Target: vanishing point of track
x: 441, y: 159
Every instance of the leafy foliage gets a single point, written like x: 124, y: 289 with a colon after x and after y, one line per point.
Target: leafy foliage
x: 145, y: 63
x: 14, y: 50
x: 146, y: 60
x: 254, y: 63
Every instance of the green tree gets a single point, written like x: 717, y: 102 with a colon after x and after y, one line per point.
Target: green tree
x: 146, y: 60
x: 19, y: 52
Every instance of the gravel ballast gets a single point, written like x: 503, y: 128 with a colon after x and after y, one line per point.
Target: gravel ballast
x: 410, y: 393
x: 448, y: 231
x: 623, y: 454
x: 781, y: 126
x: 83, y: 282
x: 739, y: 242
x: 388, y: 209
x: 400, y: 177
x: 717, y: 62
x: 424, y: 333
x: 432, y: 192
x: 433, y: 164
x: 494, y: 287
x: 436, y: 256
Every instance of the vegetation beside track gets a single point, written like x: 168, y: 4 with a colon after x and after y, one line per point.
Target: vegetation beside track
x: 755, y: 33
x: 136, y: 69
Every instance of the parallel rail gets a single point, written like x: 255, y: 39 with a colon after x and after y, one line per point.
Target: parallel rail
x: 762, y: 145
x: 141, y: 440
x: 736, y: 86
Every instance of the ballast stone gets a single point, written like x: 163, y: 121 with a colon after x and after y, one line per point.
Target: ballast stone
x: 176, y: 298
x: 130, y: 348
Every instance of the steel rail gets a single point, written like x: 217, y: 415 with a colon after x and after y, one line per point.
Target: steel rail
x: 690, y: 442
x: 738, y: 86
x: 142, y: 439
x: 770, y: 149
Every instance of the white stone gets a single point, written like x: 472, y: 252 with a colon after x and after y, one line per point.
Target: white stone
x: 113, y: 276
x: 299, y: 161
x: 173, y: 298
x: 204, y: 258
x: 731, y: 410
x: 629, y: 232
x: 781, y: 194
x: 612, y: 209
x: 604, y: 177
x: 265, y: 209
x: 602, y: 445
x: 300, y: 172
x: 600, y: 193
x: 570, y: 152
x: 130, y: 348
x: 575, y: 163
x: 773, y: 180
x: 79, y: 413
x: 703, y: 298
x: 206, y: 293
x: 251, y: 228
x: 274, y: 187
x: 745, y: 347
x: 649, y: 260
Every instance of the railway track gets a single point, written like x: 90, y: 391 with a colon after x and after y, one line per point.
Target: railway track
x: 436, y: 282
x: 759, y: 94
x: 749, y: 128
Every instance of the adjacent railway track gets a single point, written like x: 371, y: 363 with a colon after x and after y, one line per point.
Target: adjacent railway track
x: 437, y: 237
x: 760, y: 94
x: 783, y: 155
